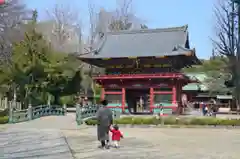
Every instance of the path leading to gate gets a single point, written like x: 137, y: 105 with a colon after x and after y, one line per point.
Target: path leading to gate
x: 60, y: 138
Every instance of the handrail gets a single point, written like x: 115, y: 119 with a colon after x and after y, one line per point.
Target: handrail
x: 31, y: 113
x: 20, y: 111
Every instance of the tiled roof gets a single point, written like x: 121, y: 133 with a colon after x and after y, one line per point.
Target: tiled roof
x: 201, y: 77
x: 145, y: 42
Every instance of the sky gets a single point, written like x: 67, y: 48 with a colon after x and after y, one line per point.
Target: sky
x: 197, y: 14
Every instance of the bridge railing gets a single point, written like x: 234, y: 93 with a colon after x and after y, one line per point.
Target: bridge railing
x: 4, y: 104
x: 16, y: 116
x: 46, y: 110
x: 86, y: 112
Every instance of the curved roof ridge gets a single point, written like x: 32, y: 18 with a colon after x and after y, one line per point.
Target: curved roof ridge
x: 169, y: 29
x: 180, y: 47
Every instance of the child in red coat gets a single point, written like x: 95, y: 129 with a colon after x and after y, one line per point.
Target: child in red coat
x: 116, y: 136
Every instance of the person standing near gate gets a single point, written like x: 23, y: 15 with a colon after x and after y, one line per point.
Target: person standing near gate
x: 141, y: 103
x: 105, y: 120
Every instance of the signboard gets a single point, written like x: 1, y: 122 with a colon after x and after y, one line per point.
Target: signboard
x: 113, y: 85
x: 137, y: 85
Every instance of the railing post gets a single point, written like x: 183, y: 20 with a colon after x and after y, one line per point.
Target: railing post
x: 10, y: 119
x: 1, y: 104
x: 6, y: 102
x: 49, y: 100
x: 30, y: 112
x: 15, y: 100
x: 65, y: 109
x: 161, y: 116
x: 78, y: 114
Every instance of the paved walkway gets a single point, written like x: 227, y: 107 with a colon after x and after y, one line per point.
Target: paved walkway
x: 31, y: 144
x: 60, y: 138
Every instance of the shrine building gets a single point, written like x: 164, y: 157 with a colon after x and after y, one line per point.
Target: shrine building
x: 143, y: 69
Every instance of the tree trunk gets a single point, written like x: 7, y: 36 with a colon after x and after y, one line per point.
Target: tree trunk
x: 237, y: 95
x: 48, y: 99
x: 56, y: 99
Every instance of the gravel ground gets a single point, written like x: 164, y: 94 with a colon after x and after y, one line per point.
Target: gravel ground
x: 60, y: 138
x: 151, y: 143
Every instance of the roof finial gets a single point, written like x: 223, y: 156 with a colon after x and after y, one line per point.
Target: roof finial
x: 186, y: 27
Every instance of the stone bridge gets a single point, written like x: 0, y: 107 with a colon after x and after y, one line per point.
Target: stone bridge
x: 59, y: 137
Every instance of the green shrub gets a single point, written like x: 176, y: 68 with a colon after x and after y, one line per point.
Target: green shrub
x: 148, y: 121
x: 182, y: 121
x: 137, y: 121
x: 156, y: 121
x: 4, y: 120
x: 91, y: 122
x: 123, y: 121
x: 230, y: 122
x: 171, y: 121
x: 237, y: 122
x: 127, y: 118
x: 198, y: 121
x: 4, y: 113
x: 212, y: 121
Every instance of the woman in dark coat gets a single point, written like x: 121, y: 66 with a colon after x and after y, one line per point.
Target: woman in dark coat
x: 105, y: 120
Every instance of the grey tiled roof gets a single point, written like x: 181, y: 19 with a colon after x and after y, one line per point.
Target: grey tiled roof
x: 146, y: 42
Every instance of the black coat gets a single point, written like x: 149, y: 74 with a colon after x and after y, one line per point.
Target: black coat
x: 105, y: 119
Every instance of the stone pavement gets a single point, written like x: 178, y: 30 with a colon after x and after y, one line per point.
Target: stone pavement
x: 59, y: 137
x: 151, y: 143
x: 32, y: 143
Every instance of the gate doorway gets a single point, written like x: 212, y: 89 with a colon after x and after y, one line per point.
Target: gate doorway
x: 138, y: 101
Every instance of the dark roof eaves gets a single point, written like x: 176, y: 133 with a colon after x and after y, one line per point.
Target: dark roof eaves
x: 174, y: 53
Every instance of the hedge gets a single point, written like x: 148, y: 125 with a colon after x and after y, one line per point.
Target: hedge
x: 4, y: 113
x: 172, y: 121
x: 4, y: 120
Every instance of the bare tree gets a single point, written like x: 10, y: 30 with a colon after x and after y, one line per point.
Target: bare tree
x: 93, y: 22
x: 227, y: 40
x: 123, y: 17
x: 93, y: 41
x: 66, y: 35
x: 66, y: 29
x: 12, y: 15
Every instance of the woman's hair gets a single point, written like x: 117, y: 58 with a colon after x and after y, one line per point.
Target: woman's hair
x: 104, y: 102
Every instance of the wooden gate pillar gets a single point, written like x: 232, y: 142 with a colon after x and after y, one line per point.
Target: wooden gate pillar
x: 123, y: 99
x: 151, y: 99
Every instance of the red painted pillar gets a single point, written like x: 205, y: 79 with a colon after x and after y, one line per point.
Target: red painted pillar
x: 123, y: 99
x: 102, y: 94
x: 174, y: 94
x: 2, y: 2
x: 151, y: 99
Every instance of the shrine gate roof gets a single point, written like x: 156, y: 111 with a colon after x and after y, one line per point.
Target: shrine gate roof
x: 141, y: 43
